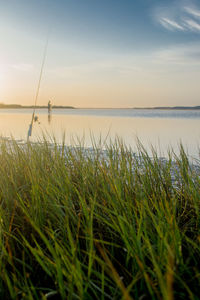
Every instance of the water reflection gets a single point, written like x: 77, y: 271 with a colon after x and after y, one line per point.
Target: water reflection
x: 49, y: 117
x: 161, y: 132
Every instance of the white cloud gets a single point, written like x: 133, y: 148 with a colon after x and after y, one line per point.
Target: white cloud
x: 192, y: 25
x: 179, y: 17
x: 170, y: 24
x: 192, y: 11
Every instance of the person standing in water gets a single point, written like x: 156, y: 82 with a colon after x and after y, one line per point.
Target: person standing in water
x: 49, y: 111
x: 49, y: 107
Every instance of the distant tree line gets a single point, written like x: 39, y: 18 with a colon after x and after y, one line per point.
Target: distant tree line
x: 2, y: 105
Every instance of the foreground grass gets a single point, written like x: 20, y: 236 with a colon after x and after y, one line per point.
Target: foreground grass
x: 79, y: 225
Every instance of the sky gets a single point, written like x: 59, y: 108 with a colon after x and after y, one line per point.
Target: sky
x: 108, y: 53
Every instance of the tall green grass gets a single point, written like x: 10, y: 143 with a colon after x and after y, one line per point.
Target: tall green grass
x: 78, y: 224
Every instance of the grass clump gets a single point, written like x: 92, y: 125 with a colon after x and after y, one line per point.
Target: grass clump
x: 80, y: 224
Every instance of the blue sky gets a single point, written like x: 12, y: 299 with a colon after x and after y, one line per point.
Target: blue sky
x: 101, y: 53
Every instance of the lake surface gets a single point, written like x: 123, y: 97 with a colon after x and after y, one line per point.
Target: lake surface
x: 160, y: 128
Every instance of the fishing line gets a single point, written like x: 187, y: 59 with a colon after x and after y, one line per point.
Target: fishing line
x: 38, y: 88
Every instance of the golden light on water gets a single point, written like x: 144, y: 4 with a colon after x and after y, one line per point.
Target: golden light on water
x: 160, y: 132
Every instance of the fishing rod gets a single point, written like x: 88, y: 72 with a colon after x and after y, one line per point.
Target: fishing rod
x: 34, y: 118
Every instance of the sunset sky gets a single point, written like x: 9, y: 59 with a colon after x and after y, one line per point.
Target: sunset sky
x: 108, y: 53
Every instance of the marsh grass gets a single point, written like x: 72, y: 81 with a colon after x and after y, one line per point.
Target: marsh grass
x: 77, y: 224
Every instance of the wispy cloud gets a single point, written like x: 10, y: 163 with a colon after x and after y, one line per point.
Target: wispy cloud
x: 23, y: 67
x: 192, y: 11
x: 179, y: 55
x: 179, y: 17
x: 193, y: 25
x: 170, y: 24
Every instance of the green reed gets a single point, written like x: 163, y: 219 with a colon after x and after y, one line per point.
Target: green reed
x: 78, y: 224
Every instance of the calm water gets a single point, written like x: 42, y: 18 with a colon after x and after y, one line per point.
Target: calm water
x: 161, y: 128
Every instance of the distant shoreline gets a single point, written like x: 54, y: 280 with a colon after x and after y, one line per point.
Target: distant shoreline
x: 170, y: 107
x: 11, y: 106
x: 18, y: 106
